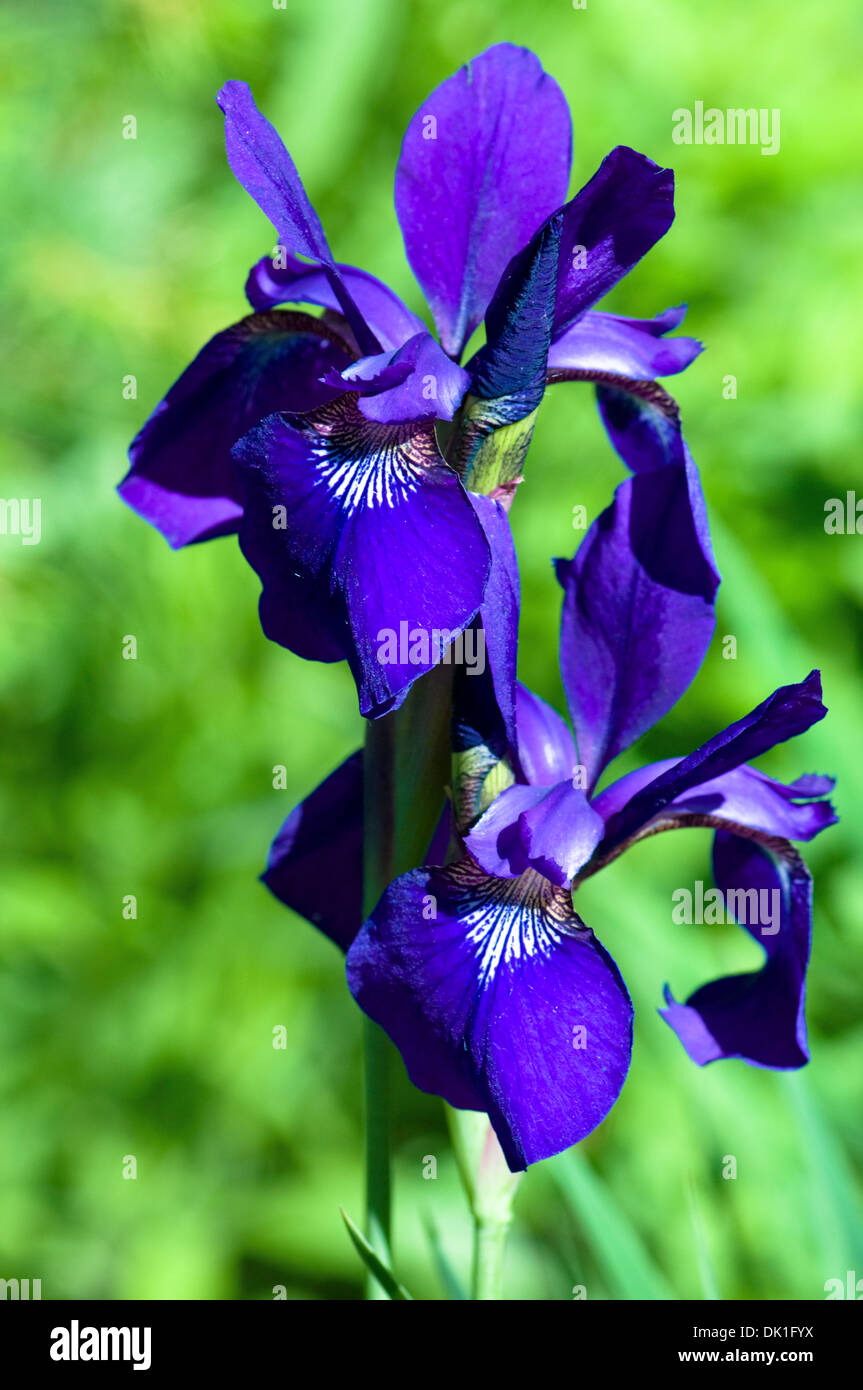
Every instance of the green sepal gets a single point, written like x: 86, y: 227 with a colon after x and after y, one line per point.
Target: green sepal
x: 478, y: 776
x: 489, y: 446
x: 488, y: 1183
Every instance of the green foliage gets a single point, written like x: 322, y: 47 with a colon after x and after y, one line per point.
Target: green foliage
x: 373, y: 1262
x: 153, y: 1036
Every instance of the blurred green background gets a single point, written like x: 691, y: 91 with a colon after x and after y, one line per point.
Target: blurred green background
x: 153, y: 1037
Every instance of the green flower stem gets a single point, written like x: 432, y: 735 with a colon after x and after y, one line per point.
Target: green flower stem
x: 489, y: 1239
x: 378, y: 1157
x: 406, y: 770
x: 490, y: 1188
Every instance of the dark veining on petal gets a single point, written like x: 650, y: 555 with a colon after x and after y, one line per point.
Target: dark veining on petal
x: 649, y: 391
x: 685, y: 821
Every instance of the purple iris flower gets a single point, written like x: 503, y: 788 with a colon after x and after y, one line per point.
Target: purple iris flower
x: 318, y: 438
x: 477, y: 964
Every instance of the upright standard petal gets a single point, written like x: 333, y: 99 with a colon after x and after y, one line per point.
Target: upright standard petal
x: 637, y: 616
x: 499, y: 999
x: 625, y: 209
x: 183, y: 479
x: 261, y: 163
x: 759, y: 1016
x: 361, y: 529
x: 470, y: 188
x: 789, y: 711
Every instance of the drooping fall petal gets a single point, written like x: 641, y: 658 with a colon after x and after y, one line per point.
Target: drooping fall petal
x: 758, y: 1016
x: 183, y: 479
x: 361, y: 531
x: 499, y: 999
x: 315, y: 863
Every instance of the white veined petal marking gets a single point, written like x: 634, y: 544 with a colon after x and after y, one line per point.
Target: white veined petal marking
x: 509, y: 920
x: 361, y: 464
x: 377, y: 481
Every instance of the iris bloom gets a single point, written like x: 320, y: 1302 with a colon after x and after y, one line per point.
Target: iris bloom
x: 318, y: 438
x: 497, y: 994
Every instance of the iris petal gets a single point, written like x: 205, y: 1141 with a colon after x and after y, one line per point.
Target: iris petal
x: 363, y: 530
x: 499, y: 999
x: 470, y: 190
x: 617, y: 217
x: 499, y: 613
x: 745, y: 795
x: 545, y: 746
x: 643, y: 423
x: 261, y: 163
x: 550, y: 829
x: 637, y: 615
x: 415, y: 382
x: 789, y: 711
x: 607, y: 343
x: 315, y: 864
x: 297, y: 282
x: 749, y: 797
x: 759, y: 1016
x: 183, y: 479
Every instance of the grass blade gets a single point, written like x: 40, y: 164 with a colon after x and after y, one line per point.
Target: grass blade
x: 373, y: 1262
x: 616, y: 1245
